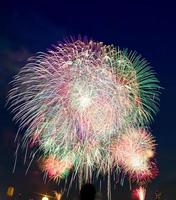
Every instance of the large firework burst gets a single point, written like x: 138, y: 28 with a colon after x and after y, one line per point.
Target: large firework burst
x: 83, y: 101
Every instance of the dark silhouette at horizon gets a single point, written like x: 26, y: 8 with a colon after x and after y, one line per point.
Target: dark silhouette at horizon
x: 87, y: 192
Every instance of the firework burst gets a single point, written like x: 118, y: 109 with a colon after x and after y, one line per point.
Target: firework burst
x: 56, y: 169
x: 134, y: 151
x: 82, y: 101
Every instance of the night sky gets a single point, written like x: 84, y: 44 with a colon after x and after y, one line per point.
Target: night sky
x: 144, y: 26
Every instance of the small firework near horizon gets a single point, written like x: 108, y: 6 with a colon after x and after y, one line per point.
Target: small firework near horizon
x: 87, y: 107
x: 134, y: 152
x: 139, y: 193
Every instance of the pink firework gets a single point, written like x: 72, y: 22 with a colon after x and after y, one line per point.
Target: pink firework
x: 56, y: 169
x: 133, y: 151
x: 139, y: 193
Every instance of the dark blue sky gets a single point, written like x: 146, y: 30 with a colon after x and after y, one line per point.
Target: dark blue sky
x: 147, y: 27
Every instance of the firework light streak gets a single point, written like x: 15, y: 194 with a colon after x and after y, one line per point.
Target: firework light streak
x: 141, y: 193
x: 58, y: 195
x: 83, y: 105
